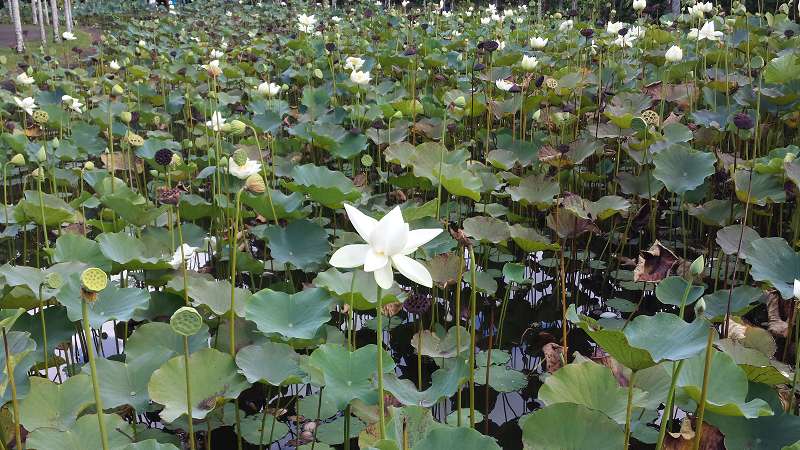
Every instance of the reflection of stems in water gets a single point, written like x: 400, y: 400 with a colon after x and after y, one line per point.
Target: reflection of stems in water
x: 503, y: 311
x: 458, y: 324
x: 665, y: 417
x: 87, y: 331
x: 472, y: 307
x: 629, y: 410
x: 10, y: 370
x: 379, y: 333
x: 701, y: 408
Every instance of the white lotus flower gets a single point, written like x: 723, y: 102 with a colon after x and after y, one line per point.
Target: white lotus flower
x: 269, y: 89
x: 25, y: 79
x: 27, y: 104
x: 529, y: 63
x: 216, y: 122
x: 353, y: 63
x: 674, y: 54
x: 73, y: 103
x: 243, y: 171
x: 639, y: 5
x: 485, y: 20
x: 566, y: 25
x: 213, y: 68
x: 538, y: 42
x: 504, y: 85
x: 706, y: 32
x: 614, y: 27
x: 114, y: 65
x: 360, y: 78
x: 216, y: 54
x: 68, y: 36
x: 388, y: 244
x: 178, y: 258
x: 306, y: 23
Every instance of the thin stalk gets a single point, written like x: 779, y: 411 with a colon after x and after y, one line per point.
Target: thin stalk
x: 665, y: 418
x: 44, y: 331
x: 701, y: 408
x: 629, y: 410
x: 14, y: 400
x: 796, y: 359
x: 379, y: 332
x: 472, y: 308
x: 87, y: 331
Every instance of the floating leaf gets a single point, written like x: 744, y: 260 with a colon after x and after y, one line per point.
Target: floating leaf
x: 553, y: 427
x: 296, y: 316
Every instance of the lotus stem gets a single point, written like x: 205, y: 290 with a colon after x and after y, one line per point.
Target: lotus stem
x: 44, y: 331
x: 792, y: 399
x: 701, y: 408
x: 379, y: 332
x: 98, y: 401
x: 190, y: 425
x: 629, y: 410
x: 458, y: 323
x: 665, y: 418
x: 14, y: 399
x: 472, y: 308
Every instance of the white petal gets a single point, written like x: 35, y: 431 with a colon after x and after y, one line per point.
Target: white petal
x: 391, y: 234
x: 412, y: 270
x: 350, y: 256
x: 384, y: 276
x: 418, y: 238
x: 374, y: 261
x: 363, y: 223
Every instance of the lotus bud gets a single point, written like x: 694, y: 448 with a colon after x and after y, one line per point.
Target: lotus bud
x: 255, y: 184
x: 126, y: 116
x: 93, y: 280
x: 186, y: 321
x: 53, y: 280
x: 176, y: 160
x: 239, y: 157
x: 18, y: 160
x: 88, y: 165
x: 55, y: 142
x: 153, y: 173
x: 460, y: 101
x: 41, y: 155
x: 318, y: 73
x: 212, y: 154
x: 156, y: 120
x: 284, y: 87
x: 700, y: 307
x: 226, y: 127
x: 117, y: 90
x: 698, y: 265
x: 237, y: 127
x: 397, y: 115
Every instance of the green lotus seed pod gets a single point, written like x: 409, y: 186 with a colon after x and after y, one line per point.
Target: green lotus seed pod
x: 366, y: 160
x: 126, y: 116
x: 38, y: 174
x: 237, y: 127
x: 41, y: 117
x: 240, y: 157
x: 186, y: 321
x: 53, y: 280
x: 255, y: 184
x: 18, y: 160
x: 88, y: 165
x: 94, y: 280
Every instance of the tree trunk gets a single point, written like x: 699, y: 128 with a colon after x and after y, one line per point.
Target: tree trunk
x: 34, y: 17
x: 40, y: 13
x: 68, y: 15
x: 46, y: 11
x: 54, y: 11
x: 17, y: 26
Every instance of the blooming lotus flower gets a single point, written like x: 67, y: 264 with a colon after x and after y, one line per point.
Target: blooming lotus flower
x: 68, y: 36
x: 114, y: 65
x: 504, y: 85
x: 178, y: 258
x: 706, y: 32
x: 529, y: 63
x: 25, y: 79
x: 353, y: 63
x: 360, y: 78
x: 639, y: 5
x: 538, y: 43
x: 485, y: 20
x: 73, y: 103
x: 674, y: 54
x: 242, y: 171
x: 614, y: 27
x: 566, y: 25
x: 306, y: 23
x: 217, y: 121
x: 27, y: 104
x: 216, y: 54
x: 213, y: 68
x: 388, y: 244
x: 269, y: 89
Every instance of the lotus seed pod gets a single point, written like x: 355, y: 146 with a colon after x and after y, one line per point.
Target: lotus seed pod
x: 697, y: 266
x: 126, y: 116
x: 186, y: 321
x: 237, y: 127
x: 38, y: 174
x: 53, y: 280
x: 176, y: 160
x: 18, y: 160
x: 94, y: 280
x: 240, y: 157
x: 255, y: 184
x: 156, y: 120
x: 651, y: 117
x: 135, y: 140
x: 366, y: 160
x: 40, y: 117
x: 88, y: 165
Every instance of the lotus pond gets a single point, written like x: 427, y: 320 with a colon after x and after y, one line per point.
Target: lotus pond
x: 403, y: 226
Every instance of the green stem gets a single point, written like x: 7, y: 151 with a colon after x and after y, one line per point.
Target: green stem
x: 44, y: 331
x: 701, y: 408
x: 379, y: 332
x: 665, y: 418
x: 472, y: 308
x: 629, y: 410
x: 188, y: 393
x: 14, y: 400
x: 796, y: 359
x: 87, y: 331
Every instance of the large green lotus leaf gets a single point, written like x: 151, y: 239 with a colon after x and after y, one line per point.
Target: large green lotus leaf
x: 603, y: 208
x: 83, y: 435
x: 29, y: 277
x: 742, y: 300
x: 440, y: 344
x: 332, y: 433
x: 411, y: 422
x: 444, y: 383
x: 296, y: 316
x: 348, y: 375
x: 113, y: 302
x: 156, y: 341
x: 727, y: 388
x: 762, y: 433
x: 327, y: 187
x: 282, y: 206
x: 534, y: 190
x: 669, y: 291
x: 674, y: 339
x: 757, y: 366
x: 760, y: 189
x: 149, y: 444
x: 736, y: 239
x: 530, y: 240
x: 553, y: 427
x: 77, y: 248
x: 782, y: 69
x: 51, y: 211
x: 487, y: 229
x: 501, y: 378
x: 258, y: 429
x: 615, y: 343
x: 21, y: 351
x: 130, y: 252
x: 204, y: 289
x: 132, y: 207
x: 362, y: 293
x: 460, y: 181
x: 773, y: 260
x: 59, y: 330
x: 302, y: 243
x: 462, y: 437
x: 682, y: 169
x: 591, y: 385
x: 126, y: 383
x: 273, y: 362
x: 193, y: 207
x: 55, y: 405
x: 213, y: 376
